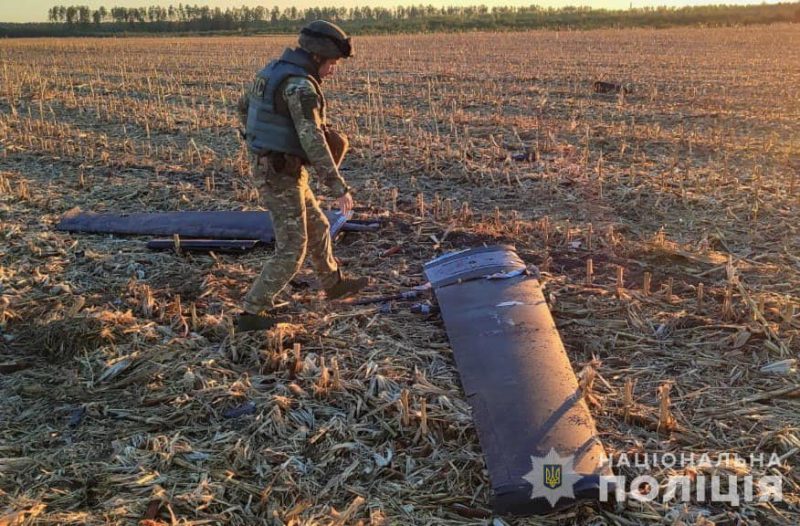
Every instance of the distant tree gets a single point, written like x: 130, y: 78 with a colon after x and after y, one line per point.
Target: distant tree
x: 84, y: 15
x: 217, y: 19
x: 131, y: 15
x: 119, y: 14
x: 72, y: 13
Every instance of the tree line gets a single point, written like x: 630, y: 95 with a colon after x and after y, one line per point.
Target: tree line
x: 185, y: 18
x: 77, y: 14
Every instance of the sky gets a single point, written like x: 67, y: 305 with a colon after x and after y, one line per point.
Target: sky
x: 36, y: 10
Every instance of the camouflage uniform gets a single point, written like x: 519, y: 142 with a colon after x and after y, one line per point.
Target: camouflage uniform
x: 300, y: 225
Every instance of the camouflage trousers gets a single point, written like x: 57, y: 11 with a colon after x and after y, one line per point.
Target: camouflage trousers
x: 299, y: 224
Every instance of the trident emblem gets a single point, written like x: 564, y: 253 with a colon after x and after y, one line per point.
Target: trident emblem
x: 552, y: 475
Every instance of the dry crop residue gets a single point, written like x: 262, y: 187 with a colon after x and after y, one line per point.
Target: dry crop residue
x: 126, y: 397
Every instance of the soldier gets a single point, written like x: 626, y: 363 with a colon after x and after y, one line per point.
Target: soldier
x: 284, y: 115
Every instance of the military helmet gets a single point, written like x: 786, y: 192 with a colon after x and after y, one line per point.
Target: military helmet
x: 326, y: 40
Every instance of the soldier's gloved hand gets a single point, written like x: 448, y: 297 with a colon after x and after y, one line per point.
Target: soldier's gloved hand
x: 345, y: 203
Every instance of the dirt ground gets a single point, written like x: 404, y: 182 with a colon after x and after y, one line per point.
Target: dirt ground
x: 127, y: 398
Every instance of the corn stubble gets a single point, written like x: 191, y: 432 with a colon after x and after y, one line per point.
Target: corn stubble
x: 664, y: 222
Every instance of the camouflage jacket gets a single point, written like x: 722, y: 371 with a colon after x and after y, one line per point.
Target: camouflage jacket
x: 308, y: 114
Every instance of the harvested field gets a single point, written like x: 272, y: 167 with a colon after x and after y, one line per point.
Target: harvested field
x: 128, y: 400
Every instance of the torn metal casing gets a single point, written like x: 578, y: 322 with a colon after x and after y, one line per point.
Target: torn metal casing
x: 224, y: 224
x: 472, y: 263
x: 517, y: 378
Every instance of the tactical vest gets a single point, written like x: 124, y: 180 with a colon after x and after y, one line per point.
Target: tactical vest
x: 269, y: 124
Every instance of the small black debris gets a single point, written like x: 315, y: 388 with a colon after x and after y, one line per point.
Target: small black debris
x: 76, y: 416
x: 247, y: 408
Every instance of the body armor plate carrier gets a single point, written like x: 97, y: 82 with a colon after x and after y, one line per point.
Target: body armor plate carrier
x: 269, y: 125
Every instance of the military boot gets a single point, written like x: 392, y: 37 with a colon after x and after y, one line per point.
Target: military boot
x: 262, y: 321
x: 255, y: 322
x: 346, y: 287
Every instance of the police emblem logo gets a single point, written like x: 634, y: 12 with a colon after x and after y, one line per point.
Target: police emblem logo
x: 552, y: 476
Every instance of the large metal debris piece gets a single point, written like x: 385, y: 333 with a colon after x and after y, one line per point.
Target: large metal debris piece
x: 518, y: 380
x: 225, y: 224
